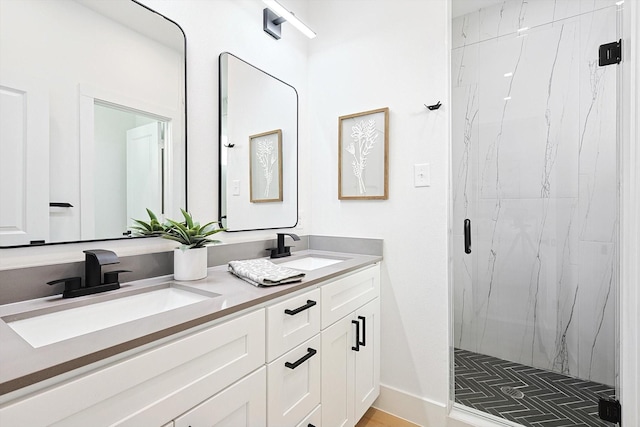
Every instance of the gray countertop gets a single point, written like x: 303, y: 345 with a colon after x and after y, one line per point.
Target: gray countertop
x: 22, y: 365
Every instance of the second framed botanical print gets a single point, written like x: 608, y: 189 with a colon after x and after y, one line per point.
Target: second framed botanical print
x: 363, y: 148
x: 265, y: 167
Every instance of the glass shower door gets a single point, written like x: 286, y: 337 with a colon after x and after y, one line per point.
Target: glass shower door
x: 535, y: 174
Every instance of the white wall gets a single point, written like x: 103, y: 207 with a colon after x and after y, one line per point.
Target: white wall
x: 392, y: 54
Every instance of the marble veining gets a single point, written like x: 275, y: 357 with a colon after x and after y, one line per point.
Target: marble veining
x: 534, y: 168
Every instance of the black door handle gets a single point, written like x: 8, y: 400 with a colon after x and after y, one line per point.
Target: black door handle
x: 467, y: 236
x: 357, y: 346
x: 309, y: 304
x: 294, y: 365
x: 364, y: 331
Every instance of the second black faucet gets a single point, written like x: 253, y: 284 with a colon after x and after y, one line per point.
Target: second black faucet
x: 282, y: 250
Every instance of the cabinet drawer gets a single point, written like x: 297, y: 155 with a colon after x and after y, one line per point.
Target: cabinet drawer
x: 293, y: 384
x: 347, y: 294
x: 241, y: 405
x: 151, y: 387
x: 314, y: 419
x: 292, y: 322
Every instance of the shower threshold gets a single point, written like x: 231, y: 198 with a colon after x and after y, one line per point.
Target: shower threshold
x: 526, y: 395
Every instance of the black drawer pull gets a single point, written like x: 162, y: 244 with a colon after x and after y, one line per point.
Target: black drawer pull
x: 357, y: 346
x: 364, y: 331
x: 309, y: 355
x: 309, y: 304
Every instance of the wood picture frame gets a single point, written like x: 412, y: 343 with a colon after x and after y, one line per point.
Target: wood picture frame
x: 265, y: 167
x: 363, y: 155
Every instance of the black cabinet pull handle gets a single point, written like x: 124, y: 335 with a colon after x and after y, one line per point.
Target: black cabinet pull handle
x: 309, y: 304
x: 467, y: 236
x: 357, y: 346
x: 364, y: 331
x: 294, y: 365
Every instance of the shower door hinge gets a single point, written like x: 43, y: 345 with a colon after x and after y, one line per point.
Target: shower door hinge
x: 610, y: 53
x: 610, y: 410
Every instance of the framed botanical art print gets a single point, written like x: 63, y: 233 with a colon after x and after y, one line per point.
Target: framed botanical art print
x: 265, y: 167
x: 363, y: 149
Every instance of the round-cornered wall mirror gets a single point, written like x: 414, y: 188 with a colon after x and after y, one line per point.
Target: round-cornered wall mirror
x: 93, y: 127
x: 258, y: 148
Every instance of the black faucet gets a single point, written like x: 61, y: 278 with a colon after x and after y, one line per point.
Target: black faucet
x: 282, y: 250
x: 94, y: 260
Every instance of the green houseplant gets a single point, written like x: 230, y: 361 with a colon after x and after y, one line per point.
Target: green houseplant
x: 190, y: 234
x: 190, y: 258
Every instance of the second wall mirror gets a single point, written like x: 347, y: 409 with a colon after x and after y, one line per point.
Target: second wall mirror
x: 258, y: 148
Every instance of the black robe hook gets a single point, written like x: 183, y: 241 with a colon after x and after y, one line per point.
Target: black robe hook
x: 434, y: 106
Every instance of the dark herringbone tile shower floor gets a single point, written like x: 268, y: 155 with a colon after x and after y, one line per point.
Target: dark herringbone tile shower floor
x: 526, y: 395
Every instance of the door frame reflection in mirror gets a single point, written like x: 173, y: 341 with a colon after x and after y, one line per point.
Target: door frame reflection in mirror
x: 264, y: 216
x: 98, y: 170
x: 137, y: 16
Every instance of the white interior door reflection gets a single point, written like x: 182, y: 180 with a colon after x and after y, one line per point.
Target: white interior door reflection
x: 145, y: 153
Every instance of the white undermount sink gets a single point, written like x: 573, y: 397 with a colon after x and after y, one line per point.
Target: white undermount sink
x: 45, y: 329
x: 310, y: 263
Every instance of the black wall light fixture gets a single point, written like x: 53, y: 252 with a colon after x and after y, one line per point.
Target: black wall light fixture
x: 275, y: 14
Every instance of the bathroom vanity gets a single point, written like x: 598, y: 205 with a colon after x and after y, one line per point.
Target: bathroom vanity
x: 292, y: 355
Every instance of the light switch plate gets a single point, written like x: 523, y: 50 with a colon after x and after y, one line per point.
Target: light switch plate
x: 421, y: 175
x: 235, y: 187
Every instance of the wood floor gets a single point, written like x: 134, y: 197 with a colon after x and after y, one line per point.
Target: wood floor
x: 376, y: 418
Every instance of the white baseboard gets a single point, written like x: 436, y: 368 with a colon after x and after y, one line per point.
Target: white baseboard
x: 428, y: 413
x: 412, y: 408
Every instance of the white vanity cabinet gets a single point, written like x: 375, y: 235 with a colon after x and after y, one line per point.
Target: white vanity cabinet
x: 350, y: 347
x: 310, y: 358
x: 152, y: 387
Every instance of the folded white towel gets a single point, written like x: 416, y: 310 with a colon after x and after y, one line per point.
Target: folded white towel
x: 262, y: 272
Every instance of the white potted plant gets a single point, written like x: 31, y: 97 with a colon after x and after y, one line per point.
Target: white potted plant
x: 190, y: 258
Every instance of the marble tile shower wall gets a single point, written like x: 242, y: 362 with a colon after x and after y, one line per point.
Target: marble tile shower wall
x: 534, y: 168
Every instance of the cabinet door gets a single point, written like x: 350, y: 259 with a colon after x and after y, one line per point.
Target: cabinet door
x: 293, y: 384
x: 241, y: 405
x: 367, y: 365
x: 338, y: 364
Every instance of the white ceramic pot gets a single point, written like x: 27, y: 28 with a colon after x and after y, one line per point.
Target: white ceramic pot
x: 190, y: 264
